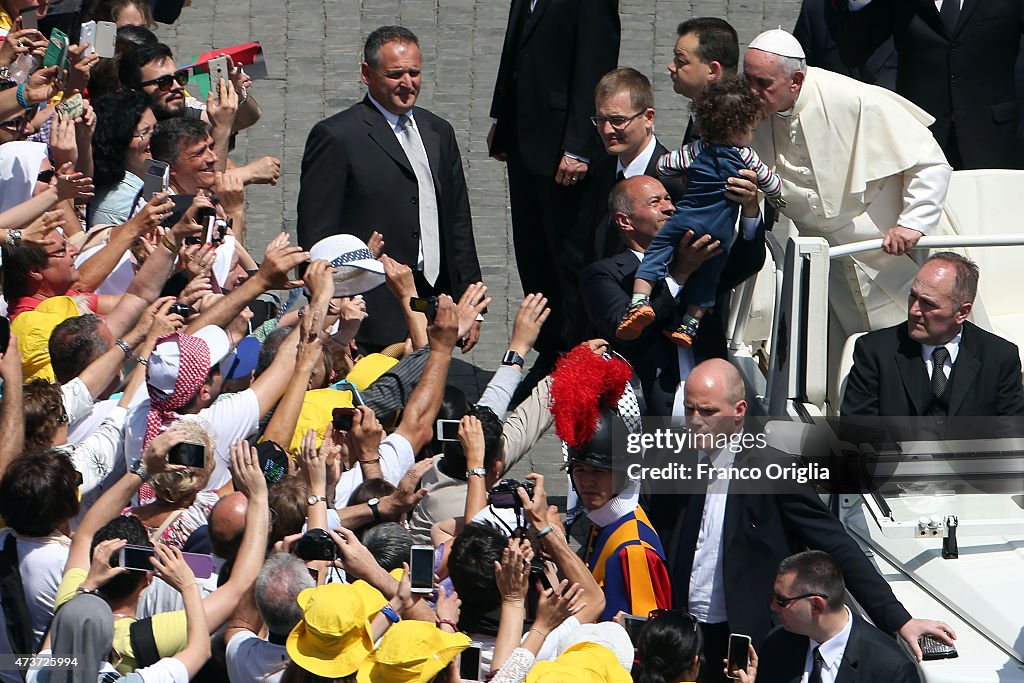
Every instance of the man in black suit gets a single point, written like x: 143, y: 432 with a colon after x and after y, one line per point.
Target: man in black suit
x: 707, y: 49
x: 624, y: 103
x: 820, y: 26
x: 386, y: 165
x: 956, y: 62
x: 724, y: 547
x: 555, y: 51
x: 820, y: 636
x: 894, y: 369
x: 639, y: 206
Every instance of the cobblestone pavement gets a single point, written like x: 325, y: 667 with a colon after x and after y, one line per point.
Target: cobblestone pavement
x: 312, y: 49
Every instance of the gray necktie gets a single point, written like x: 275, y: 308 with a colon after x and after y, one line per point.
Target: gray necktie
x: 939, y: 357
x: 817, y: 662
x: 412, y: 143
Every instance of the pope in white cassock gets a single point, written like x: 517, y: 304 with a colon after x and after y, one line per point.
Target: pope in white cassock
x: 857, y: 162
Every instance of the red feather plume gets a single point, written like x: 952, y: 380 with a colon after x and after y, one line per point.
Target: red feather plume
x: 582, y: 385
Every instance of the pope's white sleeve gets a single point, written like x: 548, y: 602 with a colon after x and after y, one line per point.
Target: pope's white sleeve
x: 924, y: 193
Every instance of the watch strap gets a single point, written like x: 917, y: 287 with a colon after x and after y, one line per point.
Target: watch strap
x: 373, y: 502
x: 389, y: 612
x: 477, y: 472
x: 513, y: 358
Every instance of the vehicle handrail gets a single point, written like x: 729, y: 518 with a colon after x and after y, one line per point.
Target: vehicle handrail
x: 935, y: 242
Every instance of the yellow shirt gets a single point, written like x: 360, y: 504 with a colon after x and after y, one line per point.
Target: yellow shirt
x: 170, y: 629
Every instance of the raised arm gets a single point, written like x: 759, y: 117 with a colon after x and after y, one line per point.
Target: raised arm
x: 170, y: 566
x: 418, y: 417
x: 12, y: 414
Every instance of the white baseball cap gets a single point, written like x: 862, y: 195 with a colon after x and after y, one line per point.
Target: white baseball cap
x: 778, y: 42
x: 607, y: 633
x: 355, y: 269
x: 165, y: 361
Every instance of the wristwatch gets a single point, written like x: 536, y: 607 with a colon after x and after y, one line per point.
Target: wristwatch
x: 390, y: 613
x: 513, y: 358
x: 13, y: 237
x: 139, y: 468
x: 313, y: 500
x: 478, y: 472
x: 373, y: 508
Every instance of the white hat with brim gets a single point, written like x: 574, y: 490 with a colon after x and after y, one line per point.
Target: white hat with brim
x: 778, y: 42
x: 355, y: 269
x: 165, y: 361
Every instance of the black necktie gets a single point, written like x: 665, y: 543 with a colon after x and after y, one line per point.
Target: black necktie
x: 620, y: 176
x: 939, y: 357
x: 950, y: 13
x: 815, y: 676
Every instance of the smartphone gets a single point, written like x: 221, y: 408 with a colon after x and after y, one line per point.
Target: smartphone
x: 156, y: 179
x: 87, y: 34
x: 448, y: 430
x: 739, y: 654
x: 29, y: 18
x: 56, y: 49
x: 428, y: 307
x: 218, y: 68
x: 184, y: 310
x: 5, y: 333
x: 933, y: 648
x: 106, y: 35
x: 72, y: 107
x: 342, y: 419
x: 188, y: 454
x: 634, y: 625
x: 421, y: 568
x: 136, y: 558
x: 469, y: 662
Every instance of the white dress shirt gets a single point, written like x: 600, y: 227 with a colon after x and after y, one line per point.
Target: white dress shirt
x: 953, y: 346
x: 639, y: 165
x: 707, y: 582
x: 832, y: 651
x: 396, y: 127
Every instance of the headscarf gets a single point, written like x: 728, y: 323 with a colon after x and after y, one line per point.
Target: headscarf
x: 82, y: 628
x: 193, y: 367
x: 19, y: 167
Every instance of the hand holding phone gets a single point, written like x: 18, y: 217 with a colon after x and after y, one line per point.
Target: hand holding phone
x: 218, y: 67
x: 342, y: 419
x: 448, y: 430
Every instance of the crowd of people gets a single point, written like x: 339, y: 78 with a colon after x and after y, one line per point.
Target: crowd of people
x: 218, y: 465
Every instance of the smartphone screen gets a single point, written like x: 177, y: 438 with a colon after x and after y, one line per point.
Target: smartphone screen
x: 136, y: 558
x: 342, y: 418
x: 448, y: 430
x: 188, y: 454
x: 421, y: 566
x: 739, y: 655
x: 5, y: 333
x: 634, y: 625
x: 469, y: 662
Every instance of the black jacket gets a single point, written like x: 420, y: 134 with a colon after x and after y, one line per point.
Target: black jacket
x: 356, y: 179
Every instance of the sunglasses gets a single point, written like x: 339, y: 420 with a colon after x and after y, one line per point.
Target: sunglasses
x: 46, y: 176
x: 164, y: 82
x: 784, y: 602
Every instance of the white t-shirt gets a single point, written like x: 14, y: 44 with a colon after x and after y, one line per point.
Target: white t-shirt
x: 396, y: 457
x: 41, y: 561
x: 251, y: 659
x: 230, y: 418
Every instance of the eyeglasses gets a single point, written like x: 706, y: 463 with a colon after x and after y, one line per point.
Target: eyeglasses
x: 165, y: 82
x: 144, y: 134
x: 45, y: 176
x: 686, y: 616
x: 617, y: 122
x: 784, y: 602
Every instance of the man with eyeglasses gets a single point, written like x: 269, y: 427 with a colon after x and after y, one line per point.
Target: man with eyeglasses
x: 725, y: 545
x: 555, y: 52
x: 820, y: 637
x: 387, y: 165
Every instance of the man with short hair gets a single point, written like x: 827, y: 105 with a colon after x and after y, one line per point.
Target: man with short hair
x: 639, y: 206
x: 707, y: 49
x: 188, y: 148
x: 820, y: 638
x: 723, y: 550
x: 273, y: 603
x: 894, y: 369
x: 387, y: 165
x: 856, y: 163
